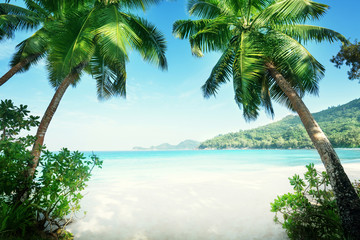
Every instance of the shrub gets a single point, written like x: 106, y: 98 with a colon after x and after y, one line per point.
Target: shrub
x: 58, y: 189
x: 39, y: 207
x: 310, y: 212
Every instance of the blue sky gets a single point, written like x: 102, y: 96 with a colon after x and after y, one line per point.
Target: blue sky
x: 167, y: 106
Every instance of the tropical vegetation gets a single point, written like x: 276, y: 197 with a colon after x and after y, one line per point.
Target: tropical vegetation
x: 310, y: 211
x: 341, y: 124
x: 91, y: 37
x: 36, y: 14
x: 262, y: 51
x: 37, y: 209
x: 349, y: 55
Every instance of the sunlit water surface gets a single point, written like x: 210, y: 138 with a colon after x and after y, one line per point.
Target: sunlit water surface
x: 192, y: 195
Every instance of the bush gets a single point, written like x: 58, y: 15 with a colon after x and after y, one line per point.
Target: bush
x: 310, y: 212
x: 58, y: 189
x: 39, y: 207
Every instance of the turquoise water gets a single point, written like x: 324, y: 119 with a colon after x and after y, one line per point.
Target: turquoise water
x: 193, y: 195
x: 263, y: 157
x: 126, y: 162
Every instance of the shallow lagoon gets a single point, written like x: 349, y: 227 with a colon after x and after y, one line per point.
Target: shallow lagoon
x: 215, y: 194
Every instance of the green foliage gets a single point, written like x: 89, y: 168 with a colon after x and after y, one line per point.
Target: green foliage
x: 15, y: 219
x: 89, y: 39
x: 59, y: 185
x: 310, y: 212
x: 13, y: 119
x: 252, y: 36
x: 46, y: 203
x: 341, y: 124
x: 349, y: 55
x: 14, y: 156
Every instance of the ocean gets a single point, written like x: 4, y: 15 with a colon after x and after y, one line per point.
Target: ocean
x: 192, y: 195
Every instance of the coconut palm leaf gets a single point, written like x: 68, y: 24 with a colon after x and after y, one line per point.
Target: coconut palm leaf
x: 290, y: 12
x: 110, y: 77
x: 296, y: 63
x: 113, y: 34
x: 71, y: 44
x: 305, y: 33
x: 220, y: 74
x: 153, y: 43
x: 248, y: 69
x: 185, y: 28
x: 213, y: 37
x: 204, y: 35
x: 207, y: 8
x: 13, y: 18
x: 33, y: 48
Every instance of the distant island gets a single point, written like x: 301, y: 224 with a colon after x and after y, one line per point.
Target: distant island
x: 184, y: 145
x: 341, y: 124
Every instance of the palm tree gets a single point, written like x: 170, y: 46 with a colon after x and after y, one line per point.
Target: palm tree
x: 96, y: 40
x: 14, y: 18
x: 261, y: 45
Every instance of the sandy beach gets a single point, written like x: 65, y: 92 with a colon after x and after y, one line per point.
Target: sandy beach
x: 187, y: 205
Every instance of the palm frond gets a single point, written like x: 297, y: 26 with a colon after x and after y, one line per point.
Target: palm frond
x: 305, y: 33
x: 32, y: 49
x: 114, y: 35
x: 13, y: 18
x: 248, y: 71
x: 221, y: 73
x: 71, y: 42
x: 153, y: 43
x: 266, y: 96
x: 237, y: 7
x: 57, y: 8
x: 296, y: 64
x: 214, y: 36
x: 128, y: 4
x: 37, y: 7
x: 290, y: 12
x: 206, y: 8
x: 10, y: 9
x: 186, y: 28
x: 110, y: 77
x: 204, y: 35
x: 254, y: 7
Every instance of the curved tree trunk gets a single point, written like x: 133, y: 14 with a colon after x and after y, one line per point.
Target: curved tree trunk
x: 347, y: 200
x: 45, y: 121
x: 16, y: 69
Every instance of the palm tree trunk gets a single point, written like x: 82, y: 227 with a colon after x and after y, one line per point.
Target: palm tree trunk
x: 20, y: 65
x: 347, y: 200
x: 45, y: 121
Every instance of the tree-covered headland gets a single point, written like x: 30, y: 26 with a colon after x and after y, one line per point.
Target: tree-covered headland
x: 341, y: 124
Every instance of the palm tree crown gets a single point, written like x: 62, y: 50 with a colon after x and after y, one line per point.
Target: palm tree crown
x: 98, y: 38
x: 250, y: 34
x: 36, y: 14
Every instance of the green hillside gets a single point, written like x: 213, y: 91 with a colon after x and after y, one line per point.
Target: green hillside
x: 341, y: 124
